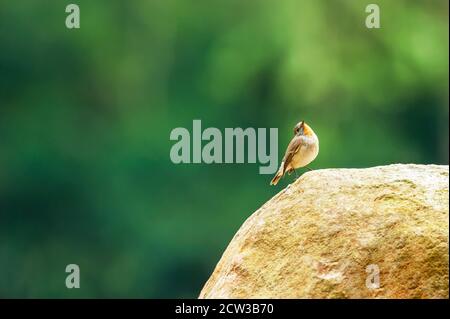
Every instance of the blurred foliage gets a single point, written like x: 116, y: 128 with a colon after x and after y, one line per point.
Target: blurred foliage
x: 85, y: 118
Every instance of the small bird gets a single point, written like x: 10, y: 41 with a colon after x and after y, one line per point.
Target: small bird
x: 301, y: 151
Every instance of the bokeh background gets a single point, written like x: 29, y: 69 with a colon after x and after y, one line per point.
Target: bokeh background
x: 85, y: 118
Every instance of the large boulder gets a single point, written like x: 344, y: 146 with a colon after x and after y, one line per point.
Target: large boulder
x: 379, y: 232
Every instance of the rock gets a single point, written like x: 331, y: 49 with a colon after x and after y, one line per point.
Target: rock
x: 327, y: 234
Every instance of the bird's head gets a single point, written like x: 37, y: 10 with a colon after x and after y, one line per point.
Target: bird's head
x: 302, y: 129
x: 299, y: 128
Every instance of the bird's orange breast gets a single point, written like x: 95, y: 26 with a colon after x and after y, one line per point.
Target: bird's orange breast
x: 307, y: 130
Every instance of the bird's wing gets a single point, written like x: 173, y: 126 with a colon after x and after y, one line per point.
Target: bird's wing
x: 292, y: 149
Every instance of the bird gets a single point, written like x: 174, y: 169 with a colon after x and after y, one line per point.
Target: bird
x: 302, y: 150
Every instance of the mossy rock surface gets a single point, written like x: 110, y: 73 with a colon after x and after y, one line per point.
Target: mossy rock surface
x: 317, y: 237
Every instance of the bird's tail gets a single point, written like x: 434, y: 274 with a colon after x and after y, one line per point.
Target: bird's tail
x: 277, y: 176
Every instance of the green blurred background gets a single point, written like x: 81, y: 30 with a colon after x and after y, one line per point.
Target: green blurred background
x: 85, y: 118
